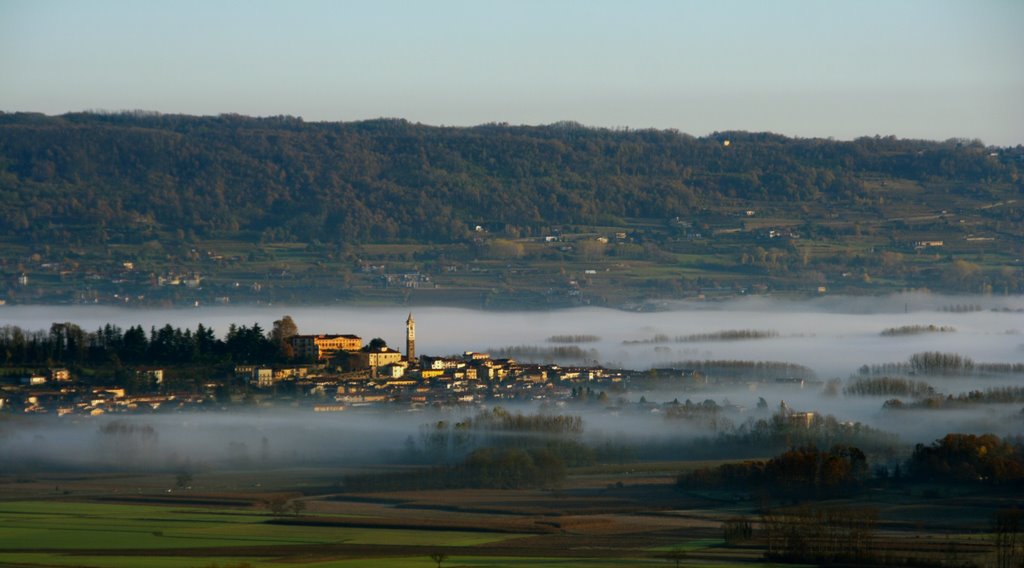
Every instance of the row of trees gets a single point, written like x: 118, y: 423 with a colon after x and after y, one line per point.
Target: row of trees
x: 68, y: 344
x: 547, y: 354
x: 821, y: 535
x: 936, y: 363
x: 917, y: 330
x: 995, y: 395
x: 499, y: 419
x: 888, y: 386
x: 725, y: 335
x: 741, y: 369
x: 579, y: 338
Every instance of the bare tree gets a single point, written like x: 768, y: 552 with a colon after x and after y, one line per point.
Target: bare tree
x: 1006, y: 528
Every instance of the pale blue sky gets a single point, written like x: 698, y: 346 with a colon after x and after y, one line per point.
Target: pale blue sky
x: 843, y: 68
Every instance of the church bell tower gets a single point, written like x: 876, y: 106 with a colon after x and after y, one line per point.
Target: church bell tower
x: 410, y: 339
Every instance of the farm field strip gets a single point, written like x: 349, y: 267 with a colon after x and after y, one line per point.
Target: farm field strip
x: 49, y: 526
x: 59, y: 560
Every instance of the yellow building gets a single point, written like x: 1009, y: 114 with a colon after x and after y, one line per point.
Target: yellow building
x: 383, y: 356
x: 321, y: 347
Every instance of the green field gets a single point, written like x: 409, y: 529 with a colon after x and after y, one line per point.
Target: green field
x: 93, y: 534
x: 592, y: 521
x: 391, y: 562
x: 92, y: 522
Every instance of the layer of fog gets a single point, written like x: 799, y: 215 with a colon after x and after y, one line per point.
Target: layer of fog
x: 199, y: 441
x: 913, y: 426
x: 833, y: 336
x: 280, y: 437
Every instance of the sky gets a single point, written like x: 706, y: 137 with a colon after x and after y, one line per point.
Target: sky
x: 932, y: 69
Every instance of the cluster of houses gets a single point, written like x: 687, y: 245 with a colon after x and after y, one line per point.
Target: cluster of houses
x: 57, y: 392
x: 432, y: 381
x: 429, y: 381
x: 339, y: 373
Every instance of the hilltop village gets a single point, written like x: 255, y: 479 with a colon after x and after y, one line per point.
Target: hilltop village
x: 338, y: 372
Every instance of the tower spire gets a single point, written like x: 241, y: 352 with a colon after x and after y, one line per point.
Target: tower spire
x: 410, y: 339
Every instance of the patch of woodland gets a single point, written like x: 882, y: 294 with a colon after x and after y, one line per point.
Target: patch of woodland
x: 917, y: 330
x: 725, y: 335
x: 970, y: 459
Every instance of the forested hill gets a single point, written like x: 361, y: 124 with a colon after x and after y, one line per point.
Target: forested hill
x: 125, y: 177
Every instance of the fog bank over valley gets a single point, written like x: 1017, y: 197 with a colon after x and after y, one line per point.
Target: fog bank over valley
x: 833, y: 336
x: 857, y: 353
x: 196, y: 441
x: 358, y: 438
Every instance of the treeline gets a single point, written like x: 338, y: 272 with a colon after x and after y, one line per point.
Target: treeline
x: 89, y: 177
x: 500, y: 419
x: 961, y: 308
x: 68, y: 344
x: 727, y: 335
x: 734, y: 369
x: 935, y: 363
x: 574, y: 339
x: 448, y: 442
x: 797, y: 471
x: 917, y: 329
x: 888, y: 386
x: 535, y: 353
x: 995, y: 395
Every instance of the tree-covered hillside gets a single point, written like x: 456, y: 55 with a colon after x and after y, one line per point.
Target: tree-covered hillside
x: 132, y: 179
x: 386, y: 180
